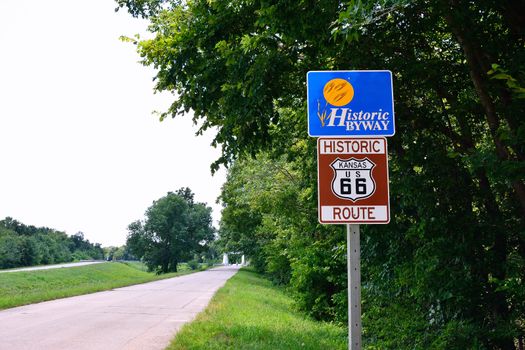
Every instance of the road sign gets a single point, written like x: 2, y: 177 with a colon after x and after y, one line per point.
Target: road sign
x: 353, y: 180
x: 350, y: 103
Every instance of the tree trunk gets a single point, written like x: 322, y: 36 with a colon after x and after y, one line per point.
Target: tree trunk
x: 474, y: 57
x: 472, y: 54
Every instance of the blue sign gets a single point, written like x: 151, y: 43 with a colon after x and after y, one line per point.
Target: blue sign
x: 350, y: 103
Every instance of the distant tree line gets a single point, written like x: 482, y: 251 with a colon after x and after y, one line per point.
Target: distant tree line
x: 118, y: 253
x: 27, y: 245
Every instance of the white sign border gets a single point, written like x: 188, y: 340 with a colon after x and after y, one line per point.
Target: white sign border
x: 319, y: 191
x: 350, y: 71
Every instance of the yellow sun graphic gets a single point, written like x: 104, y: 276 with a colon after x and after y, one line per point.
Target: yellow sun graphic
x: 338, y: 92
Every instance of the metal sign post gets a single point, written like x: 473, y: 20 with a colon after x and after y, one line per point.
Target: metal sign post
x: 354, y: 286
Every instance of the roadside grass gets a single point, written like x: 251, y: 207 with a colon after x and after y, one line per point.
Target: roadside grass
x: 136, y: 265
x: 27, y: 287
x: 250, y: 313
x: 181, y: 267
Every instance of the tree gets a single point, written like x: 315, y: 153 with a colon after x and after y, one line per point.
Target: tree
x: 175, y: 228
x: 118, y: 253
x: 10, y: 252
x: 449, y: 270
x: 83, y: 249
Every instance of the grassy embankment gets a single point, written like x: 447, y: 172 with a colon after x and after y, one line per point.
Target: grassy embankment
x: 21, y: 288
x: 250, y: 313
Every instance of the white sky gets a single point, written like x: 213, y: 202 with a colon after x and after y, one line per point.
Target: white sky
x: 79, y: 147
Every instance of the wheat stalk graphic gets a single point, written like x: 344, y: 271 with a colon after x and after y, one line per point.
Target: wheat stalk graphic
x: 321, y: 116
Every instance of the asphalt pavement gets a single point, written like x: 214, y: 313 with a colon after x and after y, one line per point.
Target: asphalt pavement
x: 56, y: 266
x: 144, y: 316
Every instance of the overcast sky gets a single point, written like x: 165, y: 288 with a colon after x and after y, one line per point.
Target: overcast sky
x: 79, y: 147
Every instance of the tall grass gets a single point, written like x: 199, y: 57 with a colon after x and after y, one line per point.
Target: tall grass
x: 250, y: 313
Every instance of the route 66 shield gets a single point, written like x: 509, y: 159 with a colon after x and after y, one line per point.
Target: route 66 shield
x: 353, y: 178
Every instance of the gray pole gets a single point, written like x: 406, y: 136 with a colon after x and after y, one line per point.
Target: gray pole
x: 354, y: 287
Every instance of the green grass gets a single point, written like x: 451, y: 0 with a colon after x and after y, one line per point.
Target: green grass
x: 181, y: 267
x: 21, y: 288
x: 250, y: 313
x: 136, y: 265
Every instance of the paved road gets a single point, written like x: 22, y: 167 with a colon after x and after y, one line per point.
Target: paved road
x: 57, y: 266
x: 144, y: 316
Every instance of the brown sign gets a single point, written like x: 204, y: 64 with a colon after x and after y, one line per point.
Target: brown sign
x: 353, y: 180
